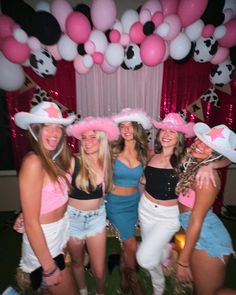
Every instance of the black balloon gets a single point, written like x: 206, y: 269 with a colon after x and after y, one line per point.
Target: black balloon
x: 46, y: 28
x: 20, y: 12
x: 213, y: 14
x: 85, y: 9
x: 148, y: 28
x: 80, y: 49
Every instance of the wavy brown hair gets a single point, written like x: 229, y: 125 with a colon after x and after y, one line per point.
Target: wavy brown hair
x: 141, y: 144
x: 54, y: 168
x: 178, y: 152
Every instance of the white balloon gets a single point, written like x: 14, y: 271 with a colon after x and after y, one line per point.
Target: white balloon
x: 43, y: 6
x: 128, y: 18
x: 230, y: 4
x: 88, y: 60
x: 219, y: 32
x: 205, y: 49
x: 20, y: 35
x: 180, y: 46
x: 118, y: 26
x: 163, y: 29
x: 114, y: 54
x: 67, y: 48
x: 223, y: 73
x: 99, y: 39
x: 194, y: 30
x: 12, y: 75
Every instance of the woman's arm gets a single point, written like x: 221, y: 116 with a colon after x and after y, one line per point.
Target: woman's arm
x: 30, y: 185
x: 205, y: 198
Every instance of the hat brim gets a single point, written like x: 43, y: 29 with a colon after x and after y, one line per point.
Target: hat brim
x: 140, y: 118
x: 187, y: 129
x: 102, y: 124
x: 201, y: 129
x: 24, y: 119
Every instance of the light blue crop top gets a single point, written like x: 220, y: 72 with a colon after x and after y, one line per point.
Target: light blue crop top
x: 126, y: 176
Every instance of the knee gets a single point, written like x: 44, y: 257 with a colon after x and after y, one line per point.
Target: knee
x: 143, y: 259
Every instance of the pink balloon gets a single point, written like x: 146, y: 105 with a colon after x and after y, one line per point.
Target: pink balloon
x: 98, y: 58
x: 124, y: 39
x: 191, y: 10
x: 107, y: 68
x: 221, y: 55
x: 89, y: 47
x: 152, y: 6
x: 79, y: 65
x: 175, y: 26
x: 60, y: 9
x: 15, y: 51
x: 208, y: 31
x: 34, y: 43
x: 103, y: 14
x: 136, y: 33
x: 54, y: 51
x: 6, y: 26
x: 169, y: 6
x: 114, y: 36
x: 78, y: 27
x: 157, y: 18
x: 144, y: 16
x: 152, y: 50
x: 229, y: 39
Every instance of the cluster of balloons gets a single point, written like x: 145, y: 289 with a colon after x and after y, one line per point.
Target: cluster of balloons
x: 180, y: 29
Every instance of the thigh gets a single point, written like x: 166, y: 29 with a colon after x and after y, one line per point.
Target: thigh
x: 76, y: 249
x: 208, y: 272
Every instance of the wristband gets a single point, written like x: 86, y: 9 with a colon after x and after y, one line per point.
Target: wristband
x: 50, y: 273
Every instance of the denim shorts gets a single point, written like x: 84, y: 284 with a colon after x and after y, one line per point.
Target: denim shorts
x: 214, y: 238
x: 85, y: 224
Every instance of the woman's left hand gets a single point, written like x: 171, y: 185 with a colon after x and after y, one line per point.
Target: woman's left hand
x: 184, y: 274
x: 205, y: 175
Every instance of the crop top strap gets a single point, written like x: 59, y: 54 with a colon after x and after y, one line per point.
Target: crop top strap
x: 76, y: 171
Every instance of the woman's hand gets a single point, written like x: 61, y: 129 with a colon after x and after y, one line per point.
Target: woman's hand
x: 184, y: 273
x: 205, y: 175
x: 19, y: 224
x: 52, y: 278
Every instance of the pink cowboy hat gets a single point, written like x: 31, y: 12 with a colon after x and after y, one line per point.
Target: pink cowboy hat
x: 173, y: 121
x: 96, y: 124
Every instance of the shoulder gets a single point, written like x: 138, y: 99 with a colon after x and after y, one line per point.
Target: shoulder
x: 31, y: 168
x: 32, y: 161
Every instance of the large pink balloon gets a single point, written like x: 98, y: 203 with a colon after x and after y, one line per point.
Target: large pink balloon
x: 15, y: 51
x: 169, y: 6
x: 103, y: 14
x: 229, y: 39
x: 60, y: 9
x: 152, y: 50
x: 6, y: 26
x: 78, y: 27
x: 191, y: 10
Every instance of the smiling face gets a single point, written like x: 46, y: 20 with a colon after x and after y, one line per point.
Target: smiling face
x: 127, y: 130
x: 200, y: 150
x: 168, y: 138
x: 51, y: 135
x: 89, y: 142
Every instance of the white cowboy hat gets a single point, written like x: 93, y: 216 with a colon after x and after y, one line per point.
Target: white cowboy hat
x: 44, y: 112
x: 133, y: 115
x: 219, y: 138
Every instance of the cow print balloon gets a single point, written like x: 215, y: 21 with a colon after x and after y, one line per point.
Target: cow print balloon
x: 223, y: 73
x: 43, y: 63
x: 132, y: 59
x: 205, y: 49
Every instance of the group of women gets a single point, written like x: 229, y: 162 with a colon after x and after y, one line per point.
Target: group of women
x: 66, y: 199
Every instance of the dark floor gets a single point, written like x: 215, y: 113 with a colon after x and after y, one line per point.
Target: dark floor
x: 10, y: 242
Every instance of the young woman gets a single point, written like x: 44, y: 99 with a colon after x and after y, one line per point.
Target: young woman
x: 91, y: 179
x: 158, y: 208
x: 130, y: 156
x: 208, y: 245
x: 43, y: 184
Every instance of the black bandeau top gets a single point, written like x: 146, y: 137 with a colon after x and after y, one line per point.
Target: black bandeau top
x: 79, y: 194
x: 161, y: 182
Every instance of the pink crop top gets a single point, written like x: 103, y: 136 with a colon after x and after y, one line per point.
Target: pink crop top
x: 54, y: 195
x: 187, y: 200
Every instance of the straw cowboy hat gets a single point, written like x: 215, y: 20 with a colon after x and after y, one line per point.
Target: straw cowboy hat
x: 96, y: 124
x: 219, y: 138
x: 133, y: 115
x: 174, y: 122
x: 44, y: 112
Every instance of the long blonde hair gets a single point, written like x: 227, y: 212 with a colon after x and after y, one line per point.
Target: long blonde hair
x: 54, y: 168
x: 87, y: 178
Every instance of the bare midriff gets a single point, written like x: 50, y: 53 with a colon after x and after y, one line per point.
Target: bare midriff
x: 161, y: 202
x: 54, y: 215
x: 124, y: 191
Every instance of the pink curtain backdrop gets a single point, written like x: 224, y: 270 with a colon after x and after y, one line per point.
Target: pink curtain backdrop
x: 185, y: 83
x: 61, y: 87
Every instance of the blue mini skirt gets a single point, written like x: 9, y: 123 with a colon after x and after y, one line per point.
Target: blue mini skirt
x: 122, y: 212
x: 214, y: 238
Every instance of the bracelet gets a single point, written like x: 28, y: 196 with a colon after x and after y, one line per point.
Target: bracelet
x: 180, y: 264
x: 50, y: 273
